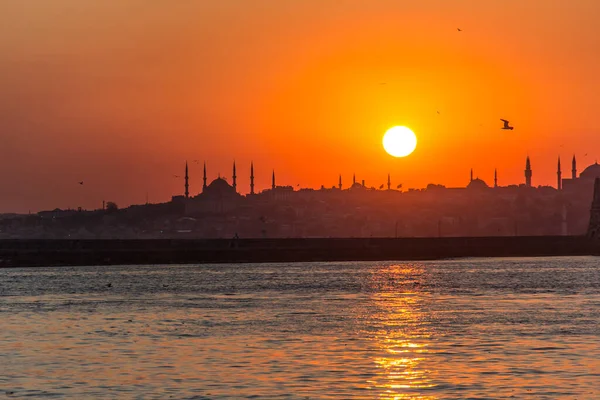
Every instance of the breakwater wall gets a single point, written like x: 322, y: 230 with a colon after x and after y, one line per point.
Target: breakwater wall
x: 26, y: 253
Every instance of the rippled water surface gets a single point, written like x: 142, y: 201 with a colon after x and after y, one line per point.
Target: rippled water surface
x: 495, y: 328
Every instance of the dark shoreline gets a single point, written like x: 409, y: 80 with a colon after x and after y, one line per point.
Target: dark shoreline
x: 38, y: 253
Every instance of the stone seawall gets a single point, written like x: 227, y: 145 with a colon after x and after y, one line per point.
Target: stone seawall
x: 26, y: 253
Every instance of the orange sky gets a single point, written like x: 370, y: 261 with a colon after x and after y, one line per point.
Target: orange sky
x: 119, y: 93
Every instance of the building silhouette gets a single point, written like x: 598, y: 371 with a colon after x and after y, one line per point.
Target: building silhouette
x: 511, y: 209
x: 219, y: 210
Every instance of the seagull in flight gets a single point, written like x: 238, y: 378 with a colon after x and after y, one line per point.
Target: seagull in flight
x: 506, y: 125
x: 460, y: 30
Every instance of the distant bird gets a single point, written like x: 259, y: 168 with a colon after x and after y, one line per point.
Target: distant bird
x: 382, y: 83
x: 506, y: 125
x: 458, y: 29
x: 176, y: 176
x: 197, y: 161
x: 81, y: 182
x: 585, y: 155
x: 399, y: 186
x: 438, y: 112
x: 381, y: 187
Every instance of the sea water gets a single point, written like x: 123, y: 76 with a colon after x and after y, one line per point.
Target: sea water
x: 470, y: 328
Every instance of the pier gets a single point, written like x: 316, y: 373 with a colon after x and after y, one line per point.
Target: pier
x: 40, y: 253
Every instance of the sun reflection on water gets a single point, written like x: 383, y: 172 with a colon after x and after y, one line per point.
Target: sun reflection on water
x: 401, y: 336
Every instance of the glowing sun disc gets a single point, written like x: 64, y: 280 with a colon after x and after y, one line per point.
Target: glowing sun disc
x: 399, y: 141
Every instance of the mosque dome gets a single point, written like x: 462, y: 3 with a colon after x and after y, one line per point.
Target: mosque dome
x: 591, y: 172
x: 477, y: 184
x: 219, y: 187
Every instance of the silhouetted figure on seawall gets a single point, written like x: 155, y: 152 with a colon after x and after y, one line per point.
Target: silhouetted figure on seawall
x: 594, y: 227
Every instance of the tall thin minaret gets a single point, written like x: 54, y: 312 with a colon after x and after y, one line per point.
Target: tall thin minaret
x: 187, y: 182
x: 353, y: 179
x: 252, y: 178
x: 559, y: 176
x: 471, y: 180
x: 528, y: 172
x: 389, y: 182
x: 234, y: 183
x: 204, y: 179
x: 594, y: 226
x: 273, y: 180
x: 495, y: 177
x: 574, y: 168
x: 340, y: 182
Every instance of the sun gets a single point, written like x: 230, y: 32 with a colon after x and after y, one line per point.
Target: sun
x: 399, y: 141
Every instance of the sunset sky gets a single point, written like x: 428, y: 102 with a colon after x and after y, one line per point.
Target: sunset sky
x: 120, y: 93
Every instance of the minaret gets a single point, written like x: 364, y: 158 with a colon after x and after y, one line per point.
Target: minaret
x: 340, y: 182
x: 574, y: 169
x: 528, y: 172
x: 187, y: 182
x: 594, y: 226
x: 353, y: 179
x: 389, y: 182
x: 495, y: 177
x: 234, y: 184
x: 471, y: 180
x: 251, y: 178
x: 273, y: 180
x: 559, y: 176
x: 204, y: 179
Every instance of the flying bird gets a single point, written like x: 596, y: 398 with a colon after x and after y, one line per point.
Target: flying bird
x: 506, y: 125
x: 80, y: 182
x: 176, y: 176
x: 399, y: 186
x: 381, y: 187
x: 438, y: 112
x: 460, y: 30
